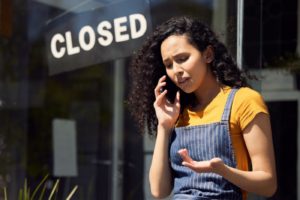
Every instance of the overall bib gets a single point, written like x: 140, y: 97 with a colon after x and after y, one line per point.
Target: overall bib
x: 204, y: 142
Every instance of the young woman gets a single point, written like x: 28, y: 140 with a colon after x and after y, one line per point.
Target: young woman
x: 216, y: 127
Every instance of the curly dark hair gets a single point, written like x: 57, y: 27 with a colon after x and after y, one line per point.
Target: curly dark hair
x: 147, y: 67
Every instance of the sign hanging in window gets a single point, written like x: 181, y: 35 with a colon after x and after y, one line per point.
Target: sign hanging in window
x: 97, y: 36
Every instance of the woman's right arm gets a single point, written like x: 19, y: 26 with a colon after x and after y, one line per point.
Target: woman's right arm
x: 160, y: 175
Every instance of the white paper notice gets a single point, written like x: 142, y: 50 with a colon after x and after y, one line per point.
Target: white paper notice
x: 64, y: 147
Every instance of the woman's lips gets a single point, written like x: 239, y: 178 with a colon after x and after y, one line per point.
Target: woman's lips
x: 184, y: 82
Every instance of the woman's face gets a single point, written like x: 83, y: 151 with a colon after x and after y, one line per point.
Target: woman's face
x: 186, y: 66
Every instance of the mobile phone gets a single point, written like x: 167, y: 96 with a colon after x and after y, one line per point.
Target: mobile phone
x: 172, y: 90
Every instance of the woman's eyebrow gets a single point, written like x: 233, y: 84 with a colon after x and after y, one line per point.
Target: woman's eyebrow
x: 174, y: 56
x: 165, y: 60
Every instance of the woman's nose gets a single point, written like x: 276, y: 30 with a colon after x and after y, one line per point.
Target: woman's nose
x: 177, y: 69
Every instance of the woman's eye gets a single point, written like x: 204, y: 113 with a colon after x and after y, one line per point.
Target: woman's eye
x: 183, y: 59
x: 169, y: 66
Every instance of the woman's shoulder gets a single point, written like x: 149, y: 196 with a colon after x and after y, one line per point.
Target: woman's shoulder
x: 244, y: 93
x: 247, y: 89
x: 247, y: 103
x: 248, y: 94
x: 248, y: 100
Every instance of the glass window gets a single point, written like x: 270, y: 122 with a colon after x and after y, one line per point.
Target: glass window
x: 280, y: 88
x: 64, y: 79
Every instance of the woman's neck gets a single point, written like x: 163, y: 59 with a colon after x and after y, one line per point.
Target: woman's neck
x: 207, y: 92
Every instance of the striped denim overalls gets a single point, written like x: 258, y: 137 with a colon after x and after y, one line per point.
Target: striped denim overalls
x: 204, y: 142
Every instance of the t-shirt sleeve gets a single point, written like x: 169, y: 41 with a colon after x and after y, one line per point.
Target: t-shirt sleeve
x: 249, y: 104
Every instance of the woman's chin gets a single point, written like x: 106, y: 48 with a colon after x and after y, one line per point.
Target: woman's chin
x: 188, y: 90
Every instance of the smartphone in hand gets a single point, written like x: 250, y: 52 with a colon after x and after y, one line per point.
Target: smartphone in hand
x: 171, y: 90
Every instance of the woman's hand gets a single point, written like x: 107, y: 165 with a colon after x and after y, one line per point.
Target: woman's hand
x: 214, y: 165
x: 258, y: 139
x: 166, y: 112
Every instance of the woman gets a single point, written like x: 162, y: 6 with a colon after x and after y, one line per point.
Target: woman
x: 216, y: 127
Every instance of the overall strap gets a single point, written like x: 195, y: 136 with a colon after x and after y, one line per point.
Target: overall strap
x: 180, y: 112
x: 227, y: 109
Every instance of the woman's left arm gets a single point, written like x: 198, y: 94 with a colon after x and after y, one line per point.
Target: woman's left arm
x: 258, y: 139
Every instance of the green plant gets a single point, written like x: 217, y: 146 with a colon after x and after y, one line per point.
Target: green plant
x: 290, y: 62
x: 26, y: 193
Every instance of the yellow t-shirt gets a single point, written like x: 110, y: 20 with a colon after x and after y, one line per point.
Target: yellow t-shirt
x: 246, y: 104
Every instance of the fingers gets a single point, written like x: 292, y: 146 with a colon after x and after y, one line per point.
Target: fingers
x: 160, y: 97
x: 185, y: 156
x: 214, y: 165
x: 199, y: 167
x: 159, y: 85
x: 177, y: 99
x: 190, y: 165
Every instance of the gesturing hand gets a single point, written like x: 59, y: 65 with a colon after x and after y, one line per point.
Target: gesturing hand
x: 214, y: 165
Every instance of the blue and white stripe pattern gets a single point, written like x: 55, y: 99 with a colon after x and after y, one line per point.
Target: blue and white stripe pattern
x: 204, y: 142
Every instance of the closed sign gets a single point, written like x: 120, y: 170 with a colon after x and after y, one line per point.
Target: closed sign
x: 97, y: 36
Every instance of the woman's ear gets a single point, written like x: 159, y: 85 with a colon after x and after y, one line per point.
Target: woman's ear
x: 209, y: 54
